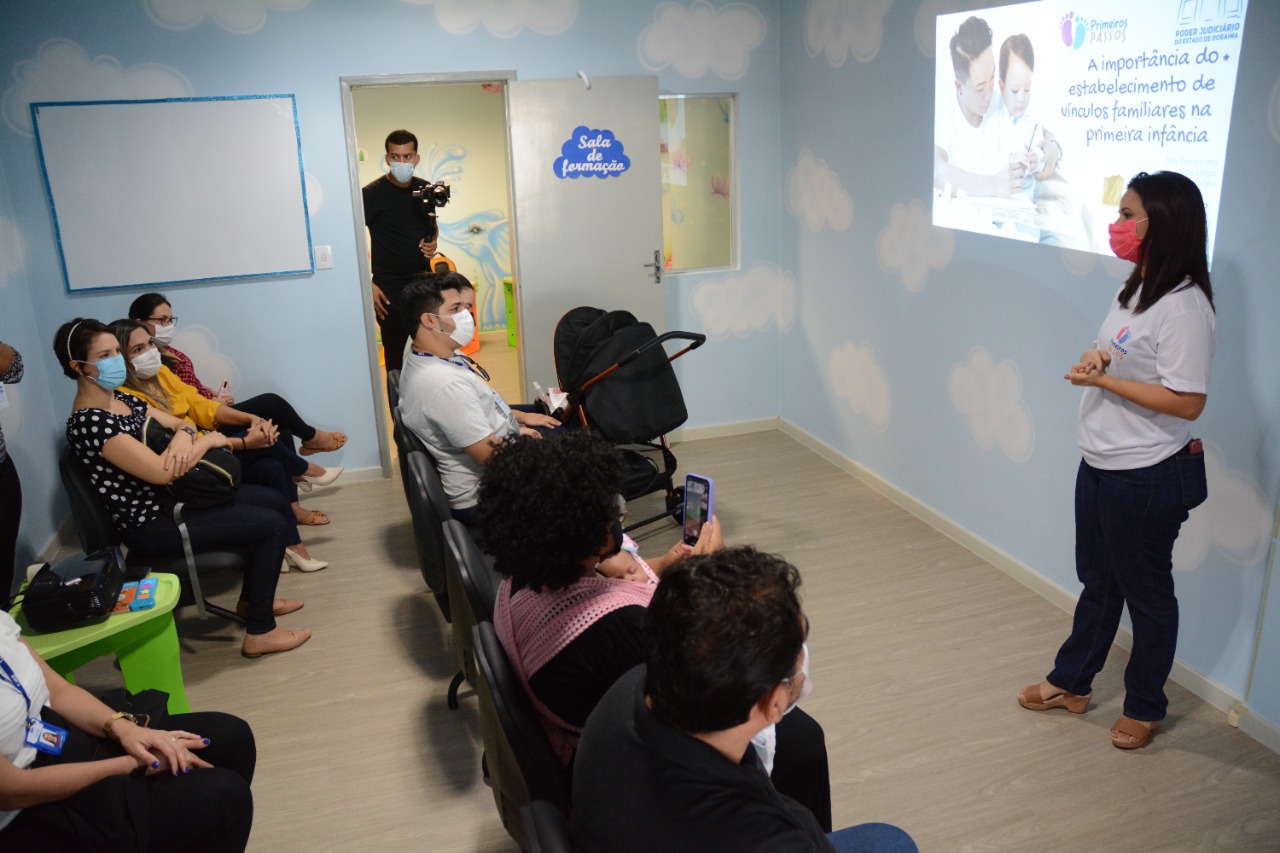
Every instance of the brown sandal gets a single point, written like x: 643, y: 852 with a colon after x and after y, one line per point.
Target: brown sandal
x: 1140, y: 731
x: 314, y: 517
x: 1073, y: 703
x: 336, y: 443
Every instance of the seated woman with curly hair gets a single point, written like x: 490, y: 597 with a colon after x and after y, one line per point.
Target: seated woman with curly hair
x: 548, y: 513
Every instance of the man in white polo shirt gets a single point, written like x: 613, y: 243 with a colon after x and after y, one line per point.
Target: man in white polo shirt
x: 445, y: 397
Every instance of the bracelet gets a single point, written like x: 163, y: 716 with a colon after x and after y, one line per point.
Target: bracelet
x: 189, y: 430
x: 244, y: 445
x: 111, y: 721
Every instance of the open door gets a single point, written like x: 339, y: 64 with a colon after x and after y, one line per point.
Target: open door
x: 587, y: 192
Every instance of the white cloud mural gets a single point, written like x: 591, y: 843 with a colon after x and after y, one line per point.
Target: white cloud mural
x: 909, y: 245
x: 701, y: 39
x: 857, y: 378
x: 13, y: 251
x: 63, y: 71
x: 1078, y: 262
x: 240, y: 17
x: 814, y: 192
x: 928, y: 12
x: 1236, y: 519
x: 741, y: 305
x: 503, y: 18
x: 839, y: 28
x: 1273, y: 112
x: 989, y: 395
x: 201, y: 345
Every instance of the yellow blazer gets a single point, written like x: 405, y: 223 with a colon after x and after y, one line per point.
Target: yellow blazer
x: 185, y: 401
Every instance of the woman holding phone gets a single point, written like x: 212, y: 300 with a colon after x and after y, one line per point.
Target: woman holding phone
x: 568, y: 614
x: 1144, y: 382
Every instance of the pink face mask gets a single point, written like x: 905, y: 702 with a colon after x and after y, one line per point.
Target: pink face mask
x: 1125, y: 241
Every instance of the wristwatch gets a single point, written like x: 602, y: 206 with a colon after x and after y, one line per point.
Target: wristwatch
x: 111, y: 721
x: 191, y: 431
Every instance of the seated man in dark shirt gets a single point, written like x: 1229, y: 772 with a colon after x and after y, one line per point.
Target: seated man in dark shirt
x: 665, y: 761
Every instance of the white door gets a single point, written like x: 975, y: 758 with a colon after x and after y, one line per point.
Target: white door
x: 588, y: 205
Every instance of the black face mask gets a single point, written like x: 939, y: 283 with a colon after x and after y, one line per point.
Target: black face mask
x: 615, y: 531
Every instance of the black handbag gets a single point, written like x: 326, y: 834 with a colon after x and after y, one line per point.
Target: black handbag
x: 73, y: 591
x: 211, y: 482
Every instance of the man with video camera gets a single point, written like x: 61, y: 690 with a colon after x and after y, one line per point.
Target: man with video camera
x: 400, y: 213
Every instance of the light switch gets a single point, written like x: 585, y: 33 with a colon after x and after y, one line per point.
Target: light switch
x: 324, y: 258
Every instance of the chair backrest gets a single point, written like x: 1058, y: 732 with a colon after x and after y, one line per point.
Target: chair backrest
x: 92, y: 520
x: 522, y: 765
x: 468, y: 605
x: 393, y: 388
x: 428, y: 522
x: 546, y: 829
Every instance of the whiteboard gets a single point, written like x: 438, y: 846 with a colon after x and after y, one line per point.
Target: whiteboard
x: 178, y: 190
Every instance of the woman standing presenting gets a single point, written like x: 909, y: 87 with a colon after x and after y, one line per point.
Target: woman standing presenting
x: 1142, y: 472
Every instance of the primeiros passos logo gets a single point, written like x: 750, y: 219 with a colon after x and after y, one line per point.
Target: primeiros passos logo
x: 1077, y: 30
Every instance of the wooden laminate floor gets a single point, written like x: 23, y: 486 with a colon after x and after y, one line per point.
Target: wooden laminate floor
x: 918, y: 648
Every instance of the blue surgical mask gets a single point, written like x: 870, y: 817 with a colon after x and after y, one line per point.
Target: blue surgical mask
x: 402, y: 172
x: 111, y: 372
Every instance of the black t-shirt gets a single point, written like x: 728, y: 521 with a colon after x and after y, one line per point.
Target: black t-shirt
x: 572, y: 682
x: 397, y: 222
x: 640, y: 785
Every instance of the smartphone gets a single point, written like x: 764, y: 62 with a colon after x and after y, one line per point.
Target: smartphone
x: 697, y: 506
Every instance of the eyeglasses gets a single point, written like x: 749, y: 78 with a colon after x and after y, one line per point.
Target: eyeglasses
x: 163, y: 321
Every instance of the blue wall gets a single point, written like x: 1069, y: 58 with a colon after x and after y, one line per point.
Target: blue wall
x: 935, y: 358
x: 932, y: 358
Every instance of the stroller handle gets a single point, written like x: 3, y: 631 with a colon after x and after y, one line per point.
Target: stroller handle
x: 695, y: 340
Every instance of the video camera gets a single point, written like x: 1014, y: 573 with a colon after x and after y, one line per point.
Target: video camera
x: 432, y: 196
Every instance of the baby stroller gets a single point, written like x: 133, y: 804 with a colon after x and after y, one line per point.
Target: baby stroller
x: 621, y: 386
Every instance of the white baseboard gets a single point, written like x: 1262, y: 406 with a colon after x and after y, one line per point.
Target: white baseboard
x: 1257, y: 728
x: 722, y: 430
x: 1195, y: 681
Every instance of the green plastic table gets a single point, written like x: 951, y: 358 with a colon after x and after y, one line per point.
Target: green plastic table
x: 144, y: 641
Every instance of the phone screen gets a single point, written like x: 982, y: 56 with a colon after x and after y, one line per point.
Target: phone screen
x: 697, y: 506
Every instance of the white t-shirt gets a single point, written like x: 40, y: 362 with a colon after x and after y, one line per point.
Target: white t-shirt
x: 974, y: 149
x: 13, y: 708
x: 451, y: 408
x: 1169, y: 344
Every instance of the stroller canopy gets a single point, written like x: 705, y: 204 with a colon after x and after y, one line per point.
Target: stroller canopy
x: 637, y: 403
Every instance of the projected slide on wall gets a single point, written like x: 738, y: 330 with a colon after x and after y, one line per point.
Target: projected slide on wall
x: 1044, y: 111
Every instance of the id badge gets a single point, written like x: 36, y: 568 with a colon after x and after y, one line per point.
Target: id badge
x: 45, y: 737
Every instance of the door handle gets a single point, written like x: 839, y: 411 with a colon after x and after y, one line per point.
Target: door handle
x: 657, y: 266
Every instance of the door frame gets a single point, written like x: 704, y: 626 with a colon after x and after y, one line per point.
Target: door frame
x: 347, y: 84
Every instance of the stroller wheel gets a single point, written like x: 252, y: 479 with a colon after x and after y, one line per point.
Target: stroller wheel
x: 675, y: 504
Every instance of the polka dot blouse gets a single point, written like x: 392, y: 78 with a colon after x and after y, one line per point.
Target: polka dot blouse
x: 132, y: 502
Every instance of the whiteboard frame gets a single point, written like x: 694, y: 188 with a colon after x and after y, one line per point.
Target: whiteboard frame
x: 289, y: 238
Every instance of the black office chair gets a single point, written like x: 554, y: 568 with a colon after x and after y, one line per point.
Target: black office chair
x: 546, y: 829
x: 430, y: 509
x: 522, y: 765
x: 473, y: 588
x: 97, y: 532
x: 407, y: 442
x: 393, y: 388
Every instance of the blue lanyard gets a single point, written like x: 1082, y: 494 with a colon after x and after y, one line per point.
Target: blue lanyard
x: 463, y: 362
x: 12, y: 679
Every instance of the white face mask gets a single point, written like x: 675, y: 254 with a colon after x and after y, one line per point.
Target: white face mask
x: 402, y: 172
x: 147, y: 364
x: 464, y: 327
x: 163, y: 335
x: 807, y: 687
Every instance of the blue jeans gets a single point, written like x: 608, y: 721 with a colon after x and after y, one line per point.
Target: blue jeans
x: 1126, y: 524
x: 872, y: 838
